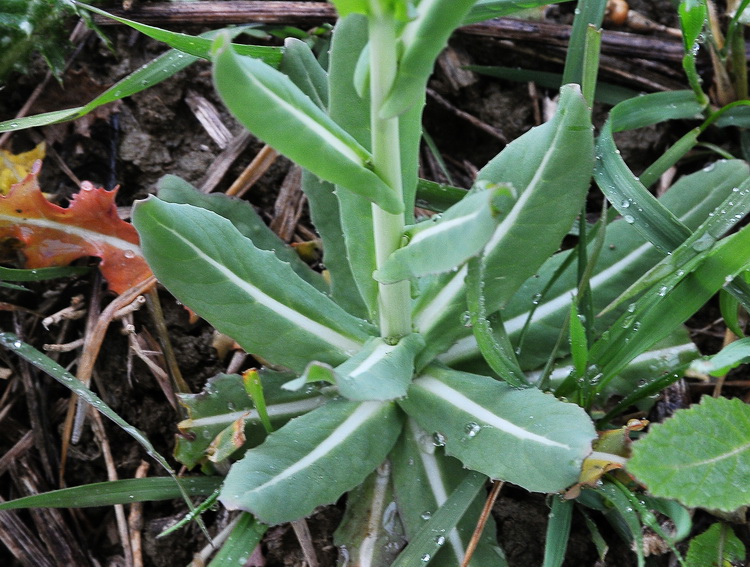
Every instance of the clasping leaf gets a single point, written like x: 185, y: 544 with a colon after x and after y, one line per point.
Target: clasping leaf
x: 445, y: 242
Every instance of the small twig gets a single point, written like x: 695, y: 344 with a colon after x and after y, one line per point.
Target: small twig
x: 302, y: 531
x: 260, y: 164
x: 209, y: 118
x: 470, y: 118
x: 65, y: 347
x: 74, y: 311
x: 483, y: 517
x: 122, y: 524
x: 135, y: 520
x: 224, y: 161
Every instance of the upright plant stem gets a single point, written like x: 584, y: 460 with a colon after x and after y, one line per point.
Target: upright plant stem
x: 394, y: 300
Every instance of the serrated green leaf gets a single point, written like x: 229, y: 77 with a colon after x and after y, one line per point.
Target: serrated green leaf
x: 319, y: 144
x: 124, y: 491
x: 324, y: 212
x: 223, y: 402
x: 483, y: 421
x: 697, y: 454
x: 242, y: 215
x: 718, y: 546
x: 308, y: 462
x: 447, y: 241
x: 546, y: 162
x: 243, y: 291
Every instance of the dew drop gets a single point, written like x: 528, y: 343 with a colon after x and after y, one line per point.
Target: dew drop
x: 426, y: 515
x: 625, y: 204
x: 438, y: 439
x: 129, y: 254
x: 472, y: 428
x: 440, y: 540
x: 17, y: 344
x: 426, y: 557
x: 629, y: 219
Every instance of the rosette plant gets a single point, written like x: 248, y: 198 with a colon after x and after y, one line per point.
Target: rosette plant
x: 436, y: 352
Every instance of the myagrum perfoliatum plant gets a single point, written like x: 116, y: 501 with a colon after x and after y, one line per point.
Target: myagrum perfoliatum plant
x: 383, y: 345
x: 432, y: 354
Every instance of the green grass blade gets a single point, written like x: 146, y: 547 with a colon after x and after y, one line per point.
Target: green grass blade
x: 558, y: 532
x: 194, y: 45
x: 41, y: 274
x: 653, y: 108
x: 124, y: 491
x: 588, y: 13
x: 47, y: 365
x: 629, y: 196
x: 427, y: 542
x: 241, y: 543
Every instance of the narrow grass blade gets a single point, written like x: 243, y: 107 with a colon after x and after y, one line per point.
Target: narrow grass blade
x: 245, y: 292
x: 124, y: 491
x: 558, y: 532
x: 241, y: 543
x: 424, y: 478
x: 13, y: 343
x: 629, y: 196
x: 196, y: 46
x: 588, y: 13
x: 308, y: 462
x: 41, y: 274
x: 653, y: 108
x: 428, y: 540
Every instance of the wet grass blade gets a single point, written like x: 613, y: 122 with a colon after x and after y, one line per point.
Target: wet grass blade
x: 124, y: 491
x: 427, y: 542
x: 13, y: 343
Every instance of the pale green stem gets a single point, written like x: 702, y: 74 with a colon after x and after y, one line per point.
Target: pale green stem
x: 394, y: 300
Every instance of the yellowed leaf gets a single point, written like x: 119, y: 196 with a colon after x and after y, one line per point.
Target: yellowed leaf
x: 15, y: 167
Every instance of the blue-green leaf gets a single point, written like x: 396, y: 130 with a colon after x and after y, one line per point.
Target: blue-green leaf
x: 280, y: 108
x: 308, y: 462
x: 483, y: 422
x: 243, y: 291
x: 244, y: 218
x: 447, y: 241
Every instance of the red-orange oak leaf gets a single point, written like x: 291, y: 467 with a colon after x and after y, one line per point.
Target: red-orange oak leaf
x: 51, y: 235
